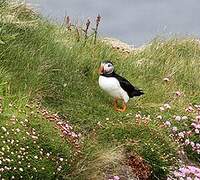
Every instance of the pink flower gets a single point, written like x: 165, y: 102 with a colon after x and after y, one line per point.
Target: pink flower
x: 198, y: 175
x: 181, y: 134
x: 188, y: 178
x: 178, y: 174
x: 193, y: 169
x: 116, y: 178
x: 192, y: 144
x: 174, y: 129
x: 190, y: 109
x: 196, y: 178
x: 196, y: 131
x: 168, y: 123
x: 198, y: 117
x: 187, y: 141
x: 178, y: 93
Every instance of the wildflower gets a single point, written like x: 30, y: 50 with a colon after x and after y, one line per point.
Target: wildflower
x: 61, y: 159
x: 178, y: 93
x: 3, y: 128
x: 167, y: 106
x: 184, y: 118
x: 188, y: 178
x: 18, y: 130
x: 181, y: 135
x: 167, y: 123
x: 187, y: 141
x: 198, y: 117
x: 159, y: 117
x: 36, y: 157
x: 162, y: 108
x: 192, y: 144
x: 116, y: 178
x: 197, y: 145
x: 166, y: 79
x: 21, y: 169
x: 196, y: 131
x: 177, y: 118
x: 190, y: 109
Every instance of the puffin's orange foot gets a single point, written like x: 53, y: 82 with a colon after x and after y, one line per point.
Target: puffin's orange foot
x: 117, y: 109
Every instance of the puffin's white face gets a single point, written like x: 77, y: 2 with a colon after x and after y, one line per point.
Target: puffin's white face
x: 106, y: 68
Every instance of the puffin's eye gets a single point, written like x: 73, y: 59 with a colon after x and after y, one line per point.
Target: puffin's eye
x: 109, y: 65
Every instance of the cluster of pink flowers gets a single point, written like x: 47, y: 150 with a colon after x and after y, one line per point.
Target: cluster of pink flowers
x: 186, y: 172
x: 16, y: 157
x: 185, y: 136
x: 114, y: 178
x: 66, y: 129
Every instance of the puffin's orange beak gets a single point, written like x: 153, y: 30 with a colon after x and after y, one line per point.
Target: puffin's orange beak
x: 101, y: 70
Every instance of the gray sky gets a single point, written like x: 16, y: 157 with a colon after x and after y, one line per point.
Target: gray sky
x: 133, y: 21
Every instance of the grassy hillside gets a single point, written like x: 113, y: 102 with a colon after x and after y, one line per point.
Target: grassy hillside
x: 49, y: 83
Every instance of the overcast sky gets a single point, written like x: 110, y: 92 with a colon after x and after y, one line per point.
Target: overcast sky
x: 133, y: 21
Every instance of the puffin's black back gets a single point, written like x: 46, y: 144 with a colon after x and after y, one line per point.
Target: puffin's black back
x: 126, y: 85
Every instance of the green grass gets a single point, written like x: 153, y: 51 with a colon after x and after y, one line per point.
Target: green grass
x: 43, y: 62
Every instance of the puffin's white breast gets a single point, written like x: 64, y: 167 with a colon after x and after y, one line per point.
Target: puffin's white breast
x: 112, y: 86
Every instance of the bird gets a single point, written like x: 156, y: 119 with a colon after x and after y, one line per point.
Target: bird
x: 116, y: 86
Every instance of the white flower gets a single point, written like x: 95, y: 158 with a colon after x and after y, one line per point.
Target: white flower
x: 61, y: 159
x: 4, y: 129
x: 166, y: 79
x: 178, y: 118
x: 174, y: 129
x: 21, y: 169
x: 196, y: 131
x: 167, y: 106
x: 159, y: 117
x: 162, y: 108
x: 36, y: 157
x: 18, y: 130
x: 184, y: 118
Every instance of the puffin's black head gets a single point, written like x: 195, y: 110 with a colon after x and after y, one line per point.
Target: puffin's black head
x: 106, y: 67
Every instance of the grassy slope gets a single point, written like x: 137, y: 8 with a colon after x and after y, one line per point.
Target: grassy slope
x: 44, y: 62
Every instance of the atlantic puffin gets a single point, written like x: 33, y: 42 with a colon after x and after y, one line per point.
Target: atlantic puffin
x: 116, y: 86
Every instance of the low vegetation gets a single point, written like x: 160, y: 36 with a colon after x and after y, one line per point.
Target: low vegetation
x: 57, y: 123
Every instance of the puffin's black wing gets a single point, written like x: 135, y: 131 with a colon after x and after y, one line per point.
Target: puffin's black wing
x: 128, y: 87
